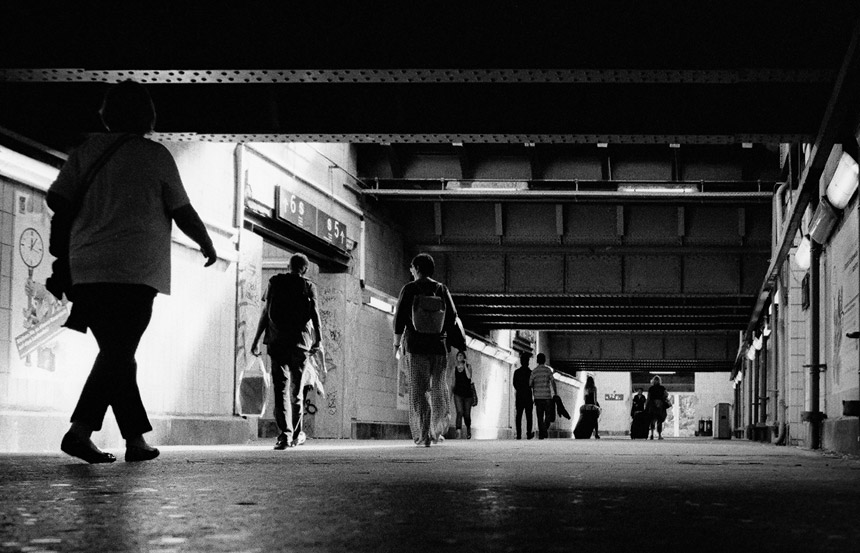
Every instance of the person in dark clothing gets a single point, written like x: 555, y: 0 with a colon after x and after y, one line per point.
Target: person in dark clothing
x: 115, y: 202
x: 638, y: 403
x: 463, y: 394
x: 425, y: 322
x: 524, y: 401
x: 656, y: 405
x: 591, y: 399
x: 291, y: 322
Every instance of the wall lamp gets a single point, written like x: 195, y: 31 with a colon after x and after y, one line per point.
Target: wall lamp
x: 844, y: 182
x: 823, y: 221
x: 803, y: 255
x: 839, y: 192
x: 27, y: 170
x: 758, y: 342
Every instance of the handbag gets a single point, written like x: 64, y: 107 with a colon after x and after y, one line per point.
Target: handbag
x: 60, y: 281
x: 474, y: 395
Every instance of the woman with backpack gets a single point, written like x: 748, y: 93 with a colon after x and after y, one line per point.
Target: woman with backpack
x: 424, y: 317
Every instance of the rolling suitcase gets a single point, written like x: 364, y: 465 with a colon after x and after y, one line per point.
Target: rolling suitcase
x: 587, y: 421
x: 639, y: 426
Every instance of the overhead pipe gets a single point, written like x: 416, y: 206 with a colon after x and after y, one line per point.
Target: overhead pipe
x: 547, y: 195
x: 763, y: 395
x: 778, y: 369
x: 813, y: 416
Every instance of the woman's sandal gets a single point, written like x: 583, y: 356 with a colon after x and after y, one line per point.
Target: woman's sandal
x: 85, y: 450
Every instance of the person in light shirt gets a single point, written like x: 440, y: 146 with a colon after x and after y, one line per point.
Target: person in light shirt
x: 542, y: 382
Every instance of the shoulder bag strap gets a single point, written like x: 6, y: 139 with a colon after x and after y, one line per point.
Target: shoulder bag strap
x: 94, y: 169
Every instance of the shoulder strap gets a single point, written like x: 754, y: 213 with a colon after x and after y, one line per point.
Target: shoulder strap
x: 95, y: 168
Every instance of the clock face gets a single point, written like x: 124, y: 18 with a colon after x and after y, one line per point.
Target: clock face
x: 31, y: 247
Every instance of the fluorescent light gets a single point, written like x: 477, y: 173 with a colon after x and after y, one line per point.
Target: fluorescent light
x: 382, y: 305
x: 655, y: 189
x: 662, y: 372
x: 27, y: 170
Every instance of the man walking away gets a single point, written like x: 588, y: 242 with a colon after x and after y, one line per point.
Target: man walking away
x: 542, y: 383
x: 291, y: 322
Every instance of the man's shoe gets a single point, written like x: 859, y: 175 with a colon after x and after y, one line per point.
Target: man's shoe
x: 134, y: 454
x: 85, y: 450
x: 530, y: 435
x: 283, y: 442
x: 300, y: 439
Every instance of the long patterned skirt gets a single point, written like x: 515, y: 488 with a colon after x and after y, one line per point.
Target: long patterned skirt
x: 428, y: 396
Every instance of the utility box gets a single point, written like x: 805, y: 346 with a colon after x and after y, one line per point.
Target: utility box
x: 722, y: 421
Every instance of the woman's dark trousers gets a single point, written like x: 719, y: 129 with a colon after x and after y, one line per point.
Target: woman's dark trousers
x: 463, y: 405
x: 117, y: 315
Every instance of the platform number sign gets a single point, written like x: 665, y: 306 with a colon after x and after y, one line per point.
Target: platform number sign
x: 331, y: 230
x: 295, y: 210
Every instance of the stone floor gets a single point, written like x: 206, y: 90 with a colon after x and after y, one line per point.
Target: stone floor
x: 520, y: 496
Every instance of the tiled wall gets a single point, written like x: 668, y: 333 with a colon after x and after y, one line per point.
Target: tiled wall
x: 7, y: 199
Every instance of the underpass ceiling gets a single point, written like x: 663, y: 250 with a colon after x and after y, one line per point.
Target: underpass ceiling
x: 501, y: 72
x: 556, y: 75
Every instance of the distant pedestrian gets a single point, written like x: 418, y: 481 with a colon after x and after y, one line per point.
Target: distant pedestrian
x: 115, y: 202
x: 291, y: 323
x: 425, y: 317
x: 523, y: 398
x: 591, y: 399
x: 657, y: 404
x: 542, y: 382
x: 463, y: 395
x: 638, y: 403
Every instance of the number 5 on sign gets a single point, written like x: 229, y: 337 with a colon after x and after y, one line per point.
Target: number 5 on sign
x: 334, y: 231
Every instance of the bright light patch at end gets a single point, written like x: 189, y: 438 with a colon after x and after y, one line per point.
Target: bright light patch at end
x: 649, y: 189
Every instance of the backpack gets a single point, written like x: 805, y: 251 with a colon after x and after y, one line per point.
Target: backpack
x: 428, y: 311
x: 289, y: 302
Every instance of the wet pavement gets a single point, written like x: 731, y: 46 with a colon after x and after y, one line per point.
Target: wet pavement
x: 551, y: 495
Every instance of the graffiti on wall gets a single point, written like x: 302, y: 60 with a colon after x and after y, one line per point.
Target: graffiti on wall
x: 331, y: 308
x: 843, y: 264
x: 249, y: 298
